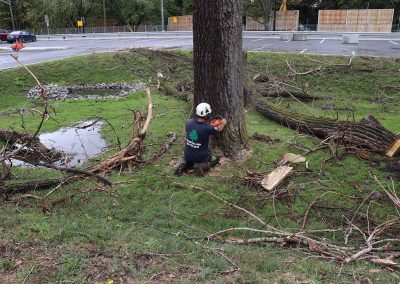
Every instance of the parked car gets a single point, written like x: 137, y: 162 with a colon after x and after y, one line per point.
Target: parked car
x: 22, y: 35
x: 3, y: 34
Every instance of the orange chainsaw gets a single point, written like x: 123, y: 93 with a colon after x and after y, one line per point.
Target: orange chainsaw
x: 216, y: 121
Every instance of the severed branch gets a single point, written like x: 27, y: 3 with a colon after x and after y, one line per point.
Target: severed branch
x: 131, y: 153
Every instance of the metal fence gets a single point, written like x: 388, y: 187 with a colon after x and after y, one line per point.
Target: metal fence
x: 107, y: 29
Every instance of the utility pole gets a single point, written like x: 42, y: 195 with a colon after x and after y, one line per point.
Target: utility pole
x: 105, y: 19
x: 162, y: 15
x: 274, y: 26
x: 11, y: 12
x: 82, y: 18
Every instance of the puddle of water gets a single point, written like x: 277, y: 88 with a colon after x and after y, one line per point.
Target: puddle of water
x: 81, y: 142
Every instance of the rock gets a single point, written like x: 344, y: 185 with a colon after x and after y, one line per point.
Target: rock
x: 57, y: 92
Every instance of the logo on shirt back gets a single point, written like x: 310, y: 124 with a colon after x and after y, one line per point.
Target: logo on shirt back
x: 194, y: 136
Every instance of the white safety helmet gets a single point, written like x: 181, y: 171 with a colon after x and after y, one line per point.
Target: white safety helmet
x: 203, y: 109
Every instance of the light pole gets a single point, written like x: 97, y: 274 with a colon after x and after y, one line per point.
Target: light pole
x: 274, y: 25
x: 11, y: 12
x: 104, y: 13
x: 162, y: 15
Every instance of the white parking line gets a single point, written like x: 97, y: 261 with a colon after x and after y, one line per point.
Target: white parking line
x: 396, y: 43
x: 304, y: 50
x: 353, y: 52
x: 322, y: 41
x: 257, y: 39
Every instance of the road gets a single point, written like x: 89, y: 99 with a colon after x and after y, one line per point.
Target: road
x: 55, y: 47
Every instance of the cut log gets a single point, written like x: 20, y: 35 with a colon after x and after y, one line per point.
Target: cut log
x: 272, y: 180
x: 355, y: 135
x: 394, y: 149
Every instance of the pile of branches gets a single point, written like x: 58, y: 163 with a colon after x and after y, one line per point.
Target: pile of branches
x: 131, y: 156
x: 27, y: 147
x: 380, y: 245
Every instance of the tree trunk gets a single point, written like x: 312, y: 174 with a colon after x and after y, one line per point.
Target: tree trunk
x: 218, y: 72
x: 267, y: 14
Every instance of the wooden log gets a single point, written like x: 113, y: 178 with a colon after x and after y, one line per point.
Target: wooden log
x: 360, y: 135
x: 275, y: 93
x: 273, y: 179
x: 13, y: 187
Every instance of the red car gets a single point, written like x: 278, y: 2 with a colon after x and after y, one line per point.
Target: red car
x: 3, y: 34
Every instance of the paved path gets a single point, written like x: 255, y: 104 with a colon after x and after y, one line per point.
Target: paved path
x: 57, y: 47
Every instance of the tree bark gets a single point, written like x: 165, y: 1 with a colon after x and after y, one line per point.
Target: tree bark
x: 368, y: 134
x: 218, y: 72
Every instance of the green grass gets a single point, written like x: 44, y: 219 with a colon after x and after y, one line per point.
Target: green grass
x: 138, y: 231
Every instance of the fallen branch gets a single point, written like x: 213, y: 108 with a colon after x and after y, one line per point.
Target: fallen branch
x: 359, y: 135
x: 14, y: 187
x: 131, y: 153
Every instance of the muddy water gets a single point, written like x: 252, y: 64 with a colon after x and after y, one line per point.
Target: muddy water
x: 81, y: 142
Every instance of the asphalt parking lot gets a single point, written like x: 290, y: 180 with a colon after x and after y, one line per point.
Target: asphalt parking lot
x: 55, y: 47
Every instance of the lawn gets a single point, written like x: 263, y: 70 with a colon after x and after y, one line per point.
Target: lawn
x: 149, y: 229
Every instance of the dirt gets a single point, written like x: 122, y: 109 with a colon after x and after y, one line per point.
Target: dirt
x: 33, y: 257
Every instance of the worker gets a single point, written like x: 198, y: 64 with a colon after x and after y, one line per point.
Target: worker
x: 197, y: 154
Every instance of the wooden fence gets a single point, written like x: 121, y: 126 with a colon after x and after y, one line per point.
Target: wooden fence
x: 180, y: 23
x: 370, y: 20
x: 285, y: 21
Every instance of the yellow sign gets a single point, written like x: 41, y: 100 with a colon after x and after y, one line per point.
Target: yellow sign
x: 174, y: 20
x: 79, y: 23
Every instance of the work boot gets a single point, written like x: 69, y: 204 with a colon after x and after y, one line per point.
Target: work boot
x: 201, y: 169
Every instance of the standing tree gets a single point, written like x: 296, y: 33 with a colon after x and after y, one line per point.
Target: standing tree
x: 218, y: 67
x: 260, y: 9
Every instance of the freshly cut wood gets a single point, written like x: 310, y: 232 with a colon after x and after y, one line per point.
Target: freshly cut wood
x: 291, y: 158
x: 394, y: 149
x: 272, y: 180
x: 353, y: 135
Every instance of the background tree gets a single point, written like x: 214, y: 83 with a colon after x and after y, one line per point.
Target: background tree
x: 260, y: 9
x: 218, y: 62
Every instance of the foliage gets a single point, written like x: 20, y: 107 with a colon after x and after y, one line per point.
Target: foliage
x: 65, y: 13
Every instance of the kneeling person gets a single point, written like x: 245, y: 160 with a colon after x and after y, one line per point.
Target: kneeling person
x: 197, y: 154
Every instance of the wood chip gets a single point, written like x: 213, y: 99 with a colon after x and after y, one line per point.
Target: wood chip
x: 394, y: 149
x: 291, y: 158
x: 272, y: 180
